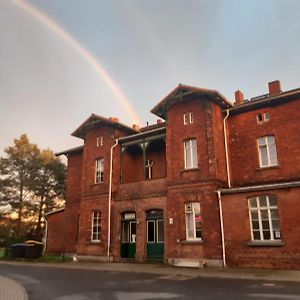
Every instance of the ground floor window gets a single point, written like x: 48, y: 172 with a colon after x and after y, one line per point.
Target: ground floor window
x: 264, y: 218
x: 96, y: 226
x: 193, y: 221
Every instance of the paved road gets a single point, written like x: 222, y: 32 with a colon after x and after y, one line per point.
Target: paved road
x: 43, y: 283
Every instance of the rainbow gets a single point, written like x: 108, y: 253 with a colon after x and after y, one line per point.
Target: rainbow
x: 85, y: 54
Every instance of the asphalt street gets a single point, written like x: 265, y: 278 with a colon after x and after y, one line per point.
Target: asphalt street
x: 43, y: 283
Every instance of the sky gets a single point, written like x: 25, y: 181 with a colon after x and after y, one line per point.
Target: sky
x: 62, y: 60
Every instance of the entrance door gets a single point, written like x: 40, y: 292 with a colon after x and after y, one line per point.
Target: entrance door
x: 155, y: 235
x: 128, y: 235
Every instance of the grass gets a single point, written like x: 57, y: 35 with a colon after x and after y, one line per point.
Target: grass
x: 44, y: 258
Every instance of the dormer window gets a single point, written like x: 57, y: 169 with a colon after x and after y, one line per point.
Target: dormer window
x: 188, y: 118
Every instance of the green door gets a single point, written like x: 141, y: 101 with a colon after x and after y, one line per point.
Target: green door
x: 155, y: 235
x: 128, y: 238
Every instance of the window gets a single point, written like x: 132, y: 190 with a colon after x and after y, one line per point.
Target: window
x: 99, y: 141
x: 188, y: 118
x: 96, y: 226
x: 149, y: 164
x: 190, y: 154
x: 261, y: 118
x: 267, y: 151
x: 193, y: 221
x: 99, y: 170
x: 264, y: 218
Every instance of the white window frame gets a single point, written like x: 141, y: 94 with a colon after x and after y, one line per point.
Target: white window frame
x: 157, y: 231
x: 259, y: 208
x: 99, y: 170
x: 149, y: 167
x: 191, y: 118
x: 265, y: 142
x: 188, y: 118
x: 189, y: 150
x: 96, y: 226
x: 99, y: 141
x: 191, y: 212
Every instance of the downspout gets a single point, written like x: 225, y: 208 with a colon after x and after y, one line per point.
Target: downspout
x: 110, y: 196
x: 222, y: 229
x: 226, y: 148
x: 45, y: 236
x: 229, y: 186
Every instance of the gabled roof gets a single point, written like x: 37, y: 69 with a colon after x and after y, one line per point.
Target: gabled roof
x: 182, y: 91
x: 93, y: 120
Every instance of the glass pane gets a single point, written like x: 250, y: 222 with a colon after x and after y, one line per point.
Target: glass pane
x: 261, y: 141
x: 262, y: 201
x: 277, y: 234
x: 132, y: 232
x: 190, y: 226
x: 195, y: 157
x: 264, y: 214
x: 253, y: 202
x: 265, y: 225
x: 274, y: 214
x: 275, y: 224
x: 271, y: 140
x: 160, y: 230
x: 267, y: 235
x: 273, y: 154
x: 150, y: 232
x: 188, y: 161
x: 273, y: 200
x: 264, y: 156
x: 254, y: 215
x: 256, y: 235
x: 255, y: 225
x: 125, y: 232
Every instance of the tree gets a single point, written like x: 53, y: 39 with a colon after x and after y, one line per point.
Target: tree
x: 30, y: 182
x: 16, y: 172
x: 48, y: 184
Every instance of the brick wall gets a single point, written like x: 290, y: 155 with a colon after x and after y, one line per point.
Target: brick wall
x: 244, y: 131
x: 238, y: 232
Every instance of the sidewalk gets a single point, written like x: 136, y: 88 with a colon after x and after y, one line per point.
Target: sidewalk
x: 11, y: 290
x: 166, y: 271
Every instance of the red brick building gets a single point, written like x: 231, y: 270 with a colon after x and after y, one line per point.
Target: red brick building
x: 210, y: 184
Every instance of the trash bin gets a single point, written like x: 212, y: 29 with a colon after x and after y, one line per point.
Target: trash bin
x: 17, y: 250
x: 33, y: 249
x: 2, y: 252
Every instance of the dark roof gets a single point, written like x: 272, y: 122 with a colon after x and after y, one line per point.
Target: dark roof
x: 266, y: 100
x: 70, y: 151
x: 182, y: 91
x: 54, y: 212
x: 93, y: 120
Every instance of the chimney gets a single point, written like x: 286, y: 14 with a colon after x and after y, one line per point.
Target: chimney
x: 239, y: 97
x: 136, y: 127
x: 274, y: 87
x: 159, y: 121
x: 113, y: 119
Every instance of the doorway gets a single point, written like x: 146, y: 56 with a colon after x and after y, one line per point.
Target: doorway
x: 155, y: 235
x: 128, y: 235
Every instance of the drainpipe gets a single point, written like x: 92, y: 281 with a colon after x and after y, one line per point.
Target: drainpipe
x: 45, y: 236
x: 109, y: 196
x: 226, y: 148
x: 222, y: 228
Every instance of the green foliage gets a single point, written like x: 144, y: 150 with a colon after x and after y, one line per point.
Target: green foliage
x: 31, y: 181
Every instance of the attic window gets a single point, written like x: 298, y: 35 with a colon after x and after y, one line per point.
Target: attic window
x: 99, y: 141
x: 188, y: 118
x: 262, y: 118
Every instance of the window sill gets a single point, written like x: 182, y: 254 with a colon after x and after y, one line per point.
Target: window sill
x: 189, y: 170
x: 97, y: 184
x: 93, y: 243
x: 192, y: 242
x: 278, y: 243
x: 268, y: 167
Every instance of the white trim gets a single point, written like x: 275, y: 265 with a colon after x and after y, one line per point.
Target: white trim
x: 265, y: 143
x: 189, y: 149
x: 157, y: 240
x: 97, y: 225
x: 99, y: 170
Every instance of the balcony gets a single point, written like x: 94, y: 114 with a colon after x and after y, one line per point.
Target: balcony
x: 140, y: 189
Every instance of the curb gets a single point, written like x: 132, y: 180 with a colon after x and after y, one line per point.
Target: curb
x: 11, y: 290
